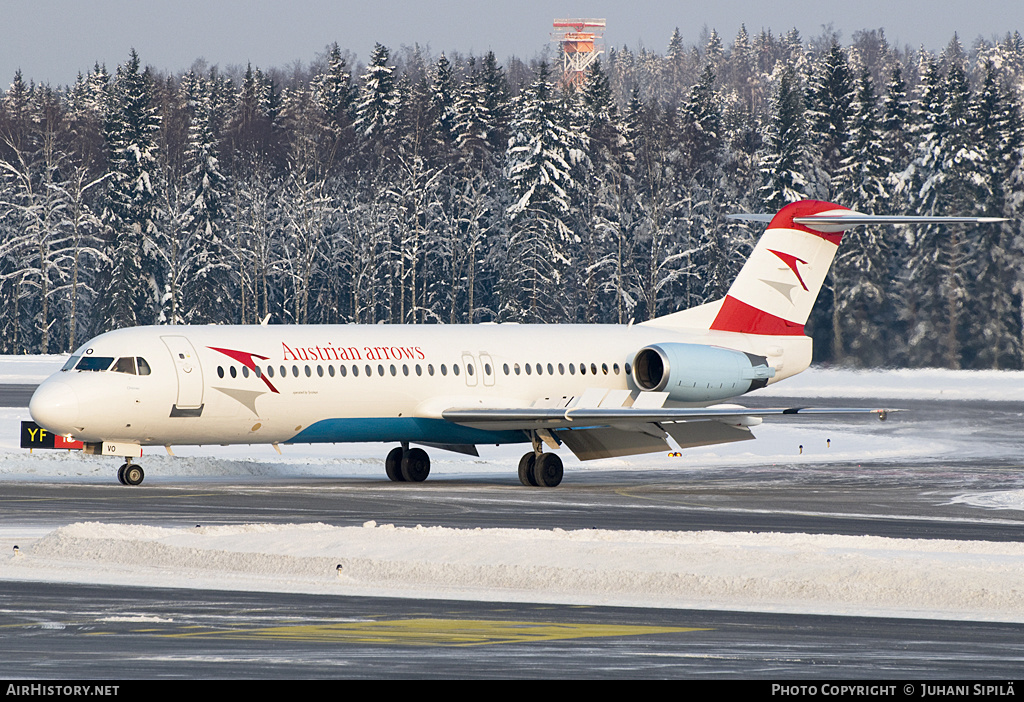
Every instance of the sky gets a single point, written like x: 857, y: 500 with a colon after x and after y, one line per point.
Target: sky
x: 51, y: 41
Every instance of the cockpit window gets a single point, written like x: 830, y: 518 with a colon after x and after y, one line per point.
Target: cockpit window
x: 143, y: 366
x: 125, y: 365
x: 94, y: 363
x: 71, y: 363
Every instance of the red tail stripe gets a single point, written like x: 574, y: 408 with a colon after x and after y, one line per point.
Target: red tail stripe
x: 737, y: 316
x: 783, y: 219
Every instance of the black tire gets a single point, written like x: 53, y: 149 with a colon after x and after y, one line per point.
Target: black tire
x: 120, y: 474
x: 134, y: 475
x: 548, y: 470
x: 415, y: 465
x: 393, y: 465
x: 526, y: 467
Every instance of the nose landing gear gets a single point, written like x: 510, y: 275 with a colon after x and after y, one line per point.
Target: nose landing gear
x: 130, y: 474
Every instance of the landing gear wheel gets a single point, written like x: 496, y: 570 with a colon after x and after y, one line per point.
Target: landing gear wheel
x: 120, y: 474
x: 133, y: 475
x: 393, y: 465
x: 548, y: 470
x: 526, y: 466
x: 415, y: 465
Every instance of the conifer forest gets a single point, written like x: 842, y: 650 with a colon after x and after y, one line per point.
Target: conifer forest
x: 428, y: 188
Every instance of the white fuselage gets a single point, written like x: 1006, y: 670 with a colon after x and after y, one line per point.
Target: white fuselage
x: 280, y: 384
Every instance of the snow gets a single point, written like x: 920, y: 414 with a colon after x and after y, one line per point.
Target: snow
x: 827, y: 574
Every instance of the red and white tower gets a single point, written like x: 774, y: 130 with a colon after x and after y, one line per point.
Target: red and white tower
x: 579, y: 41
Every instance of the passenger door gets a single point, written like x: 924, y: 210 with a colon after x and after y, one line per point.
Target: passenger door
x: 190, y: 374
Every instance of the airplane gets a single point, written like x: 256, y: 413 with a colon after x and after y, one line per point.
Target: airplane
x: 601, y: 390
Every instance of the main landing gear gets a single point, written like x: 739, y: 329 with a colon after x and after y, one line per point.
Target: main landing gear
x: 540, y: 469
x: 407, y: 465
x: 129, y: 474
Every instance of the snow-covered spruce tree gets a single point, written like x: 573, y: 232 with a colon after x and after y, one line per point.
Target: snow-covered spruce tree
x: 786, y: 161
x: 30, y: 168
x: 539, y: 164
x: 208, y: 277
x: 829, y: 100
x: 610, y: 281
x: 992, y: 325
x: 137, y: 273
x: 377, y: 108
x: 654, y: 241
x: 947, y: 171
x: 861, y: 277
x: 703, y: 142
x: 475, y: 210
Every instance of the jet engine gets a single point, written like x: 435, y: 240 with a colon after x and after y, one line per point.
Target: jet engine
x: 697, y: 373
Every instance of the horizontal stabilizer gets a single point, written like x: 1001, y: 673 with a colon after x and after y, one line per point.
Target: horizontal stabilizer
x: 841, y: 220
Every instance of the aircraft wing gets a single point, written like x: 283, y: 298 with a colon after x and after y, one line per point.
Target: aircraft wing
x: 605, y: 432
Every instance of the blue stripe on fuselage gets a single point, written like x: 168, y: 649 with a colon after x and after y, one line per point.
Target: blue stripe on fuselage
x: 436, y: 431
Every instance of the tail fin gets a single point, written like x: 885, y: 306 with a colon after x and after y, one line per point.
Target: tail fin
x: 777, y: 286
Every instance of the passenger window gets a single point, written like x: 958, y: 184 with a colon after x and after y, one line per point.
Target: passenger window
x: 551, y: 370
x: 628, y: 369
x: 234, y: 373
x: 444, y: 369
x: 143, y: 366
x: 344, y: 370
x: 517, y: 369
x: 295, y: 371
x: 95, y: 363
x: 593, y: 368
x: 355, y: 371
x: 604, y: 368
x: 455, y: 368
x: 430, y: 369
x: 368, y: 370
x: 125, y: 365
x: 561, y: 369
x: 505, y: 368
x: 419, y: 369
x: 220, y: 371
x: 330, y: 370
x: 380, y: 369
x: 572, y: 369
x: 284, y: 372
x: 487, y: 368
x: 469, y: 368
x: 270, y: 371
x: 529, y: 370
x: 405, y: 369
x: 540, y: 370
x: 394, y: 371
x: 583, y: 369
x: 615, y: 367
x: 245, y: 371
x: 320, y: 371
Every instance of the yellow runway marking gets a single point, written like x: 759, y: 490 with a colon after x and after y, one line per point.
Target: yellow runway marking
x: 438, y: 632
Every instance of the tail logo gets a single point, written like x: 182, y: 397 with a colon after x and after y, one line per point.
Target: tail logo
x: 791, y: 261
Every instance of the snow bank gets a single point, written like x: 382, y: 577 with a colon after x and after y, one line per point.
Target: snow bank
x: 902, y: 384
x: 744, y: 571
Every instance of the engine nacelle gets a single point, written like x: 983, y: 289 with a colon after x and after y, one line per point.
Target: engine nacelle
x: 696, y: 373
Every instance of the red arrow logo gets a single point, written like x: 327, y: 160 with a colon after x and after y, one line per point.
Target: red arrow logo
x: 245, y: 358
x: 791, y: 261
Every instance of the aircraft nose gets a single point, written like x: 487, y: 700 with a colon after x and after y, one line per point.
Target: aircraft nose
x: 55, y: 406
